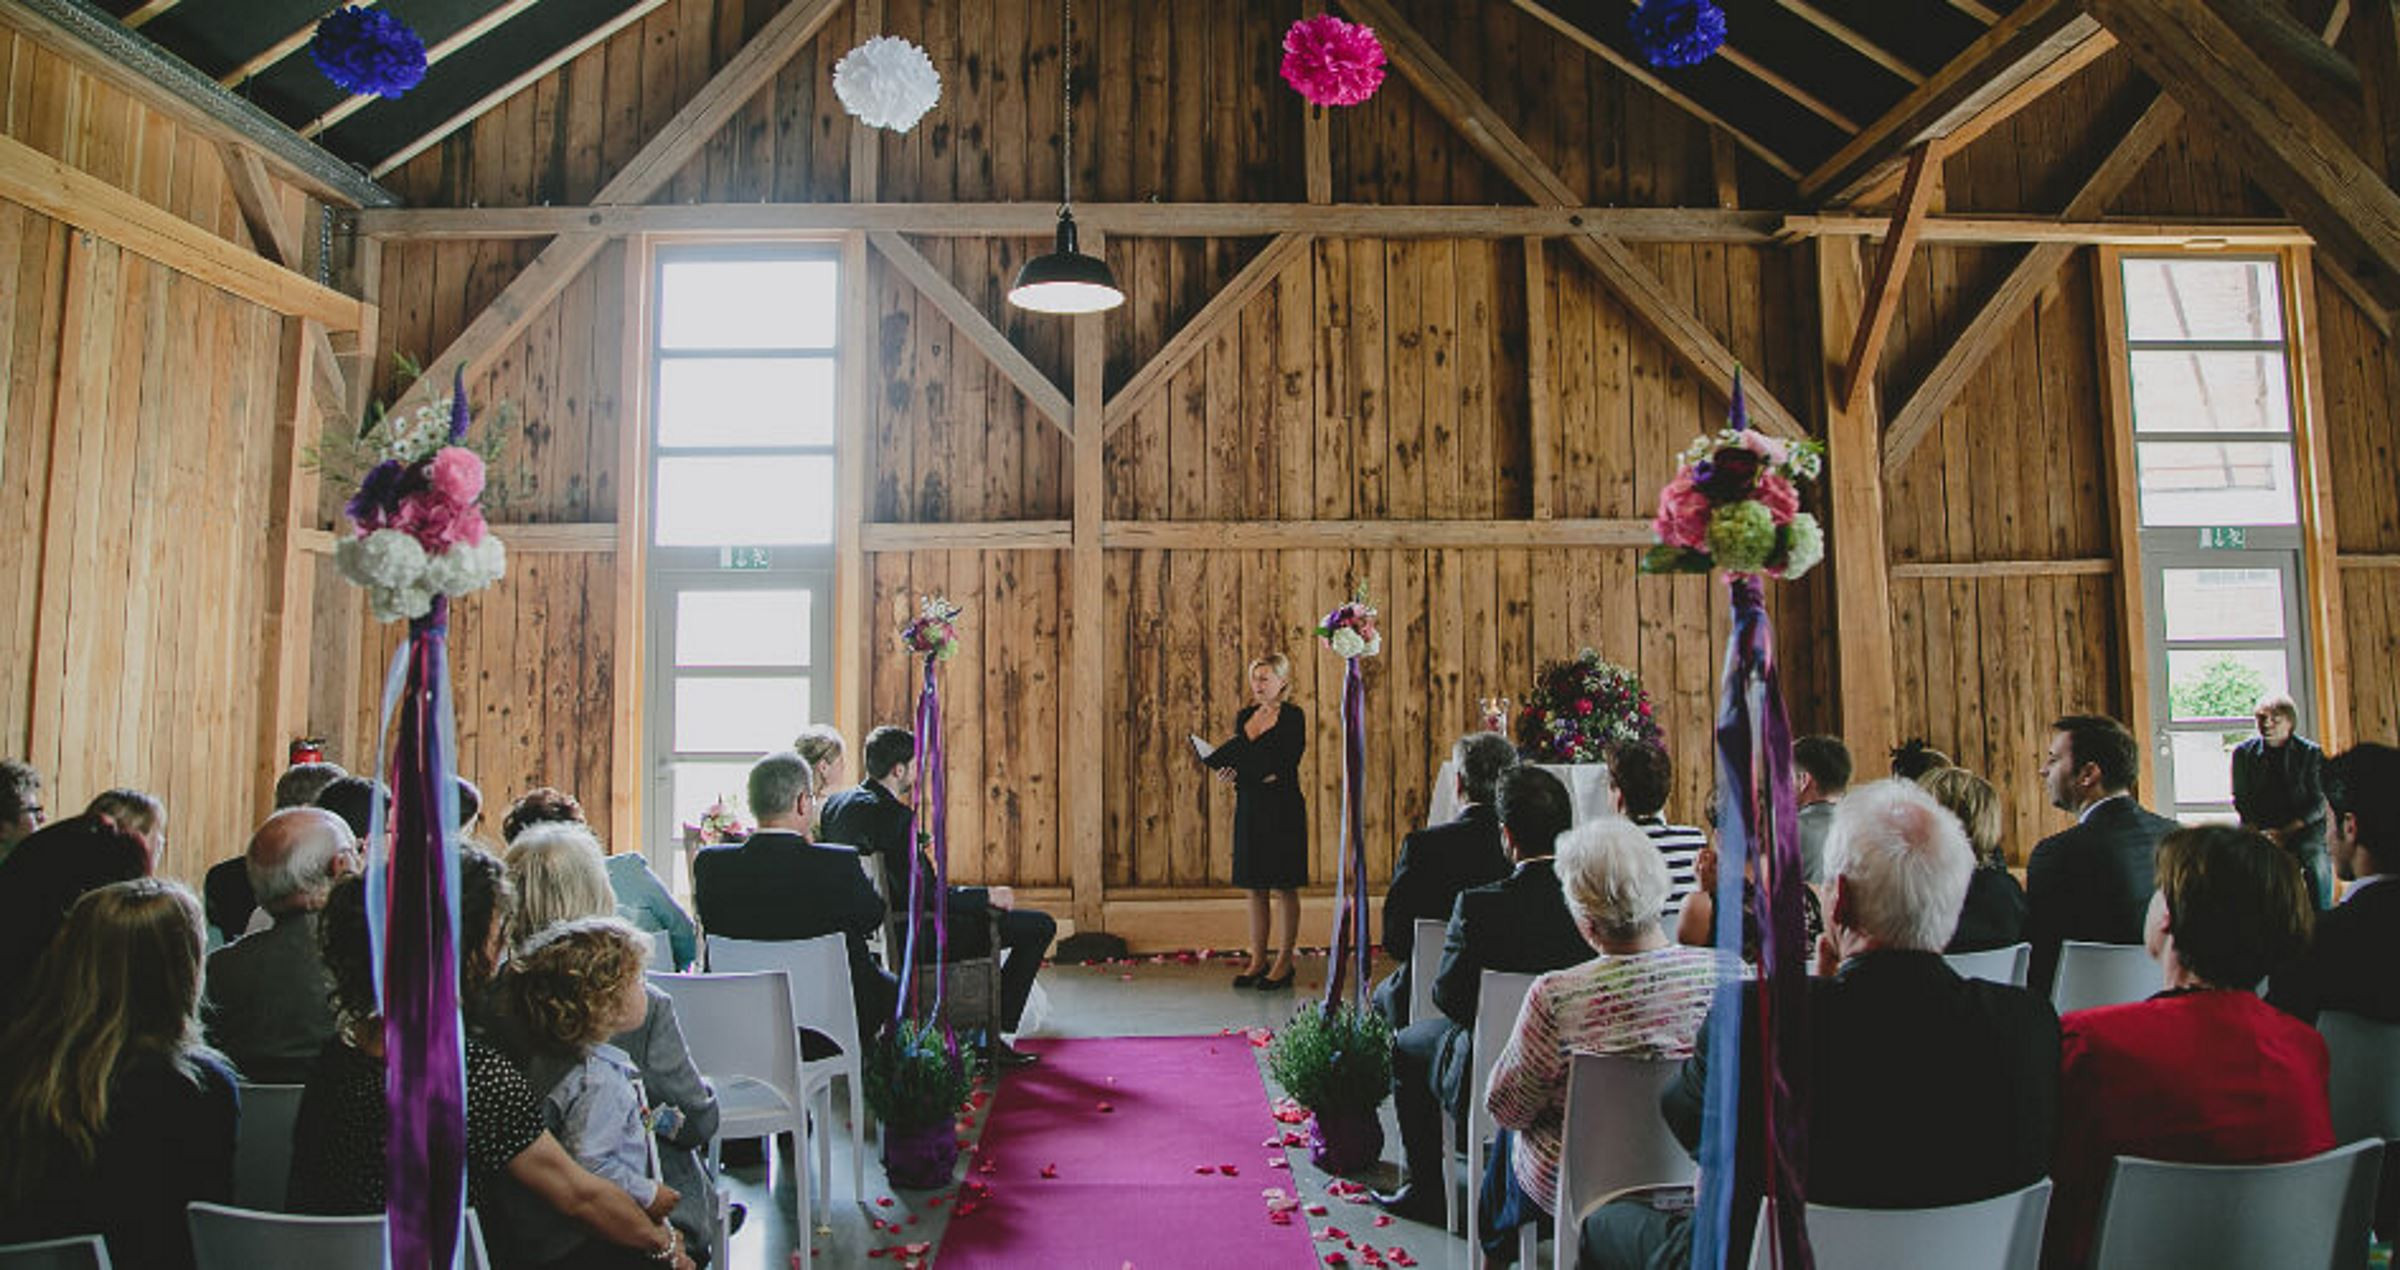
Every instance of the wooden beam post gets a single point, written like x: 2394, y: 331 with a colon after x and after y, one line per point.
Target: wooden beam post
x: 2125, y: 512
x: 866, y: 145
x: 978, y: 330
x: 2320, y: 564
x: 280, y: 241
x: 1541, y: 381
x: 286, y: 616
x: 853, y: 460
x: 1854, y: 480
x: 1083, y: 749
x: 1891, y: 270
x: 1316, y: 135
x: 625, y: 291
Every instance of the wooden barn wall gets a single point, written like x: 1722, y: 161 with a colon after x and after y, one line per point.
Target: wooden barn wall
x: 137, y: 466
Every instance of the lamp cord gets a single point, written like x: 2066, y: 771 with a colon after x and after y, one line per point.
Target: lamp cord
x: 1066, y: 82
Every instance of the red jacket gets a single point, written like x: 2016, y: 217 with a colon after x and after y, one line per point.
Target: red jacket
x: 2216, y: 1077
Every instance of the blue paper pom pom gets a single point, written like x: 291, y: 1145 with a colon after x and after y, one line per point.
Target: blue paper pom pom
x: 1677, y: 32
x: 368, y: 51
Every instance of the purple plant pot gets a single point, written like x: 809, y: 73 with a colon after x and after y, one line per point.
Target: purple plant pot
x: 1345, y: 1140
x: 920, y: 1159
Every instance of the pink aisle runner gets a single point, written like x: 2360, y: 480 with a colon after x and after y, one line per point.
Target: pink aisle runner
x: 1125, y: 1186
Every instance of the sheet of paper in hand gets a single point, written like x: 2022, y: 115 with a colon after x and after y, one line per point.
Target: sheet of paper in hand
x: 1201, y: 749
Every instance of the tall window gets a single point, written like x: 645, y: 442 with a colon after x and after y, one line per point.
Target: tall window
x: 742, y: 517
x: 2208, y: 364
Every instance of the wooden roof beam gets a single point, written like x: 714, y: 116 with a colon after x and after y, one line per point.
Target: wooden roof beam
x: 1882, y: 297
x: 2018, y: 49
x: 1643, y: 75
x: 279, y: 240
x: 970, y: 322
x: 2302, y: 159
x: 141, y: 16
x: 278, y: 51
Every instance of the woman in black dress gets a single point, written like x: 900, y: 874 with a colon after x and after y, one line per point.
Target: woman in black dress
x: 1270, y: 815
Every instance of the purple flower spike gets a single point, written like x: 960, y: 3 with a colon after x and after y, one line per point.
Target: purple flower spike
x: 1739, y: 418
x: 458, y: 404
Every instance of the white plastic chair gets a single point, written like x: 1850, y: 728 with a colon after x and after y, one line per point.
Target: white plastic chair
x: 262, y: 1146
x: 227, y: 1238
x: 2091, y: 975
x: 1995, y: 965
x: 1424, y: 965
x: 83, y: 1252
x: 2366, y: 1075
x: 1500, y: 999
x: 740, y: 1033
x: 818, y: 971
x: 2309, y: 1214
x: 662, y: 950
x: 1613, y: 1137
x: 2000, y: 1233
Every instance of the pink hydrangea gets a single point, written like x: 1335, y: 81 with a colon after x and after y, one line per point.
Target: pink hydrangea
x: 439, y: 524
x: 1779, y: 496
x: 1682, y: 514
x: 457, y: 474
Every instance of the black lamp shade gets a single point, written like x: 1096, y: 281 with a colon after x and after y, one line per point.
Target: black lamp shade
x: 1066, y: 280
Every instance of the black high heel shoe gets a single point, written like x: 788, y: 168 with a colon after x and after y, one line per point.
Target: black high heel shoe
x: 1249, y: 978
x: 1268, y: 984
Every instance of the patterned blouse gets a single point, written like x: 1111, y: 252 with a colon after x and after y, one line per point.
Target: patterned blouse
x: 1647, y: 1004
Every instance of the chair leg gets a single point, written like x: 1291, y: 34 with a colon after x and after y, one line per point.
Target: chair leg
x: 824, y: 1136
x: 1448, y: 1191
x: 1529, y: 1243
x: 858, y: 1135
x: 806, y: 1232
x: 1472, y: 1217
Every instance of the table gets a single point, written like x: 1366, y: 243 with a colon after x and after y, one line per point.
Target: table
x: 1587, y: 786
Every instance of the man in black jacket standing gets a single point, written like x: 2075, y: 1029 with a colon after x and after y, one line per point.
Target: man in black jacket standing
x: 875, y: 816
x: 1439, y: 861
x: 2278, y: 789
x: 2091, y: 881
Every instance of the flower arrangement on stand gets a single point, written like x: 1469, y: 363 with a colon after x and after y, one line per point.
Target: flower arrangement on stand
x: 1580, y: 708
x: 417, y: 528
x: 1349, y: 633
x: 1349, y: 630
x: 1337, y: 1062
x: 915, y: 1084
x: 717, y: 826
x: 1734, y: 506
x: 933, y: 632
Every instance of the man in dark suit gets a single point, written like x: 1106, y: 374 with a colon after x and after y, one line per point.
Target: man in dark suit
x: 2091, y: 881
x: 269, y: 1006
x: 875, y: 816
x: 1439, y: 861
x: 1923, y: 1088
x: 2350, y: 962
x: 2278, y: 790
x: 1519, y: 924
x: 780, y: 885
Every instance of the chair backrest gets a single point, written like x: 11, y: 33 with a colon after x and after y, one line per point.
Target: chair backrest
x: 1496, y: 1010
x: 2309, y: 1214
x: 1424, y: 965
x: 226, y: 1238
x: 2092, y: 975
x: 1613, y: 1136
x: 262, y: 1146
x: 738, y: 1027
x: 2000, y: 1233
x: 2366, y: 1075
x: 83, y: 1252
x: 662, y: 950
x: 817, y: 970
x: 1996, y: 965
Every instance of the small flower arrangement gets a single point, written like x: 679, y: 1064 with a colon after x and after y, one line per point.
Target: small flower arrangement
x: 912, y: 1081
x: 933, y: 632
x: 717, y: 826
x: 1349, y: 630
x: 1582, y: 707
x: 1735, y: 505
x: 417, y: 519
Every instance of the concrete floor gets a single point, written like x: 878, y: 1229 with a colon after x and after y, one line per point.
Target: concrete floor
x: 1141, y: 999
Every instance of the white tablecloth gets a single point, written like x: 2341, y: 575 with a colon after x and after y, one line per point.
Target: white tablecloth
x: 1587, y: 784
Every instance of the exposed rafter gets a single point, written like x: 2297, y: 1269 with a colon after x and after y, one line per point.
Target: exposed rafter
x: 497, y: 16
x: 1882, y: 296
x: 1643, y: 75
x: 278, y: 239
x: 277, y: 51
x: 140, y: 17
x: 1222, y: 307
x: 1857, y: 43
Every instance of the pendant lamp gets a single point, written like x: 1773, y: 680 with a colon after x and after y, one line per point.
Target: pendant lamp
x: 1066, y: 280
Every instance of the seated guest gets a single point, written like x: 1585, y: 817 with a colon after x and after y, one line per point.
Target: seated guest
x: 2090, y: 881
x: 875, y: 816
x: 137, y: 813
x: 1924, y: 1089
x: 339, y: 1138
x: 1642, y: 996
x: 44, y: 877
x: 1820, y: 774
x: 822, y: 745
x: 20, y: 804
x: 2350, y: 961
x: 2204, y: 1072
x: 1439, y: 861
x: 1639, y: 776
x: 1696, y: 925
x: 225, y: 889
x: 642, y: 898
x: 2277, y: 790
x: 557, y: 872
x: 1994, y: 914
x: 268, y: 1005
x: 1912, y: 758
x: 470, y: 806
x: 355, y: 799
x: 780, y: 885
x: 1518, y: 924
x: 115, y: 1115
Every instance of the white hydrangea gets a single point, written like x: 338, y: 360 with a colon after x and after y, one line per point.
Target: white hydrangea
x: 463, y: 569
x: 385, y: 558
x: 1347, y: 644
x: 397, y: 604
x: 1374, y: 647
x: 1804, y: 547
x: 887, y: 82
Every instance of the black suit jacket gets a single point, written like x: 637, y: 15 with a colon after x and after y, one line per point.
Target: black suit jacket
x: 868, y: 817
x: 2349, y: 963
x: 1993, y: 915
x: 779, y: 885
x: 2091, y: 881
x: 1518, y: 924
x: 1436, y: 863
x: 1924, y: 1088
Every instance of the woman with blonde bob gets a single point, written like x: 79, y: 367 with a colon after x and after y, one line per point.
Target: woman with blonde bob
x: 113, y: 1114
x: 1644, y: 996
x: 1270, y: 815
x: 641, y: 898
x: 1993, y: 915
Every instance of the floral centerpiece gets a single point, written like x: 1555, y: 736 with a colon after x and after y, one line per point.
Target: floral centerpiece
x: 417, y: 528
x: 1337, y: 1062
x: 1582, y: 707
x: 717, y: 826
x: 933, y: 632
x: 1734, y: 505
x: 1349, y: 630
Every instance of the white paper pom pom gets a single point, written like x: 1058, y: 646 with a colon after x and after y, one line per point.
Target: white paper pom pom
x: 887, y: 82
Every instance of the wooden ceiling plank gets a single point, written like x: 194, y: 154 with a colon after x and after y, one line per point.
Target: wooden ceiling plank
x: 1643, y: 75
x: 1882, y: 298
x: 1856, y: 42
x: 482, y: 26
x: 970, y: 322
x: 645, y: 174
x: 2015, y: 50
x: 1977, y: 10
x: 1187, y: 342
x: 1641, y: 290
x: 278, y: 51
x: 140, y: 17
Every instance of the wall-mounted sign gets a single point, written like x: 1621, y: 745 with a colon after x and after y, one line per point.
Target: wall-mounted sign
x: 743, y: 558
x: 2223, y: 538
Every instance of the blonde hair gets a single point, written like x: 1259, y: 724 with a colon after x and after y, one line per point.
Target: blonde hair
x: 1615, y: 880
x: 121, y: 979
x: 819, y: 743
x: 1972, y: 799
x: 133, y: 811
x: 560, y: 874
x: 1277, y: 662
x: 565, y: 981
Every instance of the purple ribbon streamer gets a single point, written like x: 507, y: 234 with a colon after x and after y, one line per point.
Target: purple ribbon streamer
x: 1350, y: 885
x: 932, y: 792
x: 1754, y: 776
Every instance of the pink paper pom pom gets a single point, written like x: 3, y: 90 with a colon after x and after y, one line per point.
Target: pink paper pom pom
x: 1330, y: 62
x: 457, y: 474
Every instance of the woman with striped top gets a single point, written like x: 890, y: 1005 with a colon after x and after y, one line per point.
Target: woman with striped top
x: 1643, y: 996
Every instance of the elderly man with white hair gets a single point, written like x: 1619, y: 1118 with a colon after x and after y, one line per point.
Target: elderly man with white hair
x: 1923, y: 1089
x: 269, y: 1004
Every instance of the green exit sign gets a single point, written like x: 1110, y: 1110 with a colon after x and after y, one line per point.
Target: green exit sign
x: 2223, y: 538
x: 743, y: 558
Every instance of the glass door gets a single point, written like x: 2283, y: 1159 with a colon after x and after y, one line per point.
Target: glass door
x: 2224, y: 634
